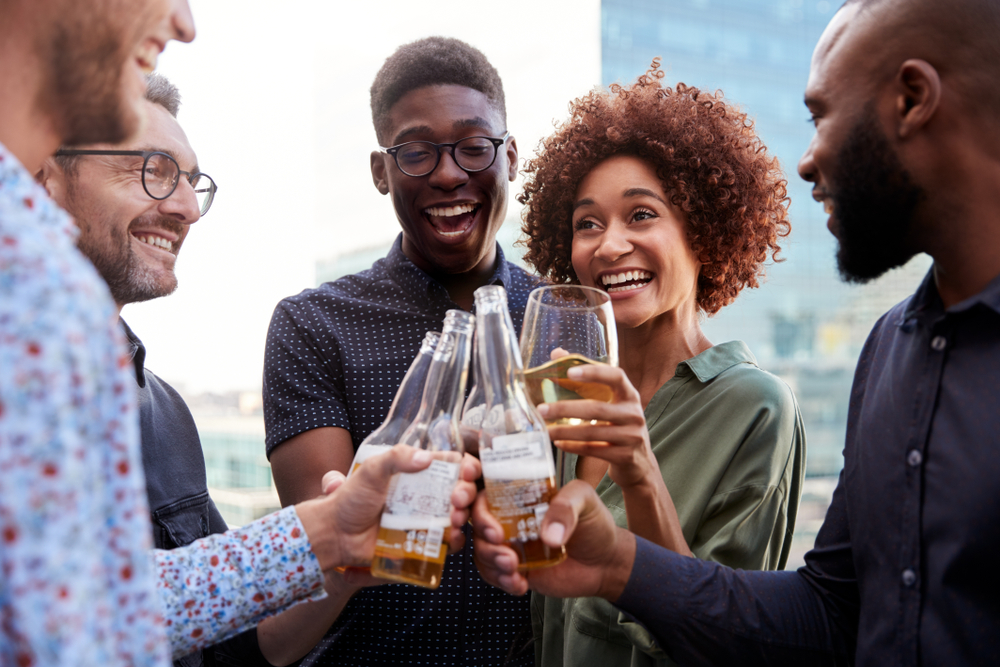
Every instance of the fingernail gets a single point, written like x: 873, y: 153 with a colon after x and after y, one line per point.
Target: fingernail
x: 543, y: 409
x: 574, y: 373
x: 506, y: 563
x: 491, y: 535
x: 554, y: 533
x: 422, y: 456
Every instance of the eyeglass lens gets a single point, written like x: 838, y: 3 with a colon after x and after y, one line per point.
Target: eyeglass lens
x: 419, y: 158
x: 160, y: 175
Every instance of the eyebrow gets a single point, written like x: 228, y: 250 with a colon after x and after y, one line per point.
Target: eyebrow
x: 151, y: 149
x: 476, y: 122
x: 631, y: 192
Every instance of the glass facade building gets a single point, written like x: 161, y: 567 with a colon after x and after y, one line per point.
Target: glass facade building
x: 803, y: 324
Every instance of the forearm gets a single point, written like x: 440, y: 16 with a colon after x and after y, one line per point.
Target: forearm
x: 703, y: 613
x: 221, y: 585
x: 287, y: 637
x: 652, y: 515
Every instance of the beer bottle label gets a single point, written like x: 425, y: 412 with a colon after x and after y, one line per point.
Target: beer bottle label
x: 364, y: 453
x: 417, y: 514
x: 517, y: 456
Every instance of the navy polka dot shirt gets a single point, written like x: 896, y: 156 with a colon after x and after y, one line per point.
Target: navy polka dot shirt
x: 335, y: 357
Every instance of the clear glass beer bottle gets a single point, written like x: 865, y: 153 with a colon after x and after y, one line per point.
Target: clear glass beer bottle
x: 514, y: 446
x: 413, y: 533
x: 405, y: 405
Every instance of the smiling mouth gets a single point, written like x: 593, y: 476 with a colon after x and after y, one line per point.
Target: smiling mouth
x: 452, y: 221
x: 828, y: 207
x: 625, y: 281
x: 155, y: 241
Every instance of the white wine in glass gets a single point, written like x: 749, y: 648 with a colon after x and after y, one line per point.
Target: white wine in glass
x: 567, y: 326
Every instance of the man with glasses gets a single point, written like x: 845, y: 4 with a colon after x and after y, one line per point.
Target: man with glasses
x: 134, y: 209
x: 336, y: 354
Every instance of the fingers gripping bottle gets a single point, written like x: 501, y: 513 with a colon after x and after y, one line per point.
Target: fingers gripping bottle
x: 413, y: 533
x: 405, y: 405
x: 514, y: 445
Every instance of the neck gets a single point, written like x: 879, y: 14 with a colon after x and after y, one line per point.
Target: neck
x: 460, y: 286
x: 28, y: 133
x: 964, y: 237
x: 649, y: 353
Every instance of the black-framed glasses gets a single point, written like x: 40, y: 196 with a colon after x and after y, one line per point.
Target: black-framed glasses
x: 161, y: 174
x: 472, y: 154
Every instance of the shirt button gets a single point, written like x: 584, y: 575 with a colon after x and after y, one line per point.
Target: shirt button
x: 914, y: 458
x: 909, y: 577
x: 939, y: 343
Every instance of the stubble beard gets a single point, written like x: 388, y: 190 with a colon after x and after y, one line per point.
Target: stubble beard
x: 875, y: 201
x: 129, y: 279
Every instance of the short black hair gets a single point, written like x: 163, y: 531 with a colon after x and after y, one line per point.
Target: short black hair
x: 433, y: 61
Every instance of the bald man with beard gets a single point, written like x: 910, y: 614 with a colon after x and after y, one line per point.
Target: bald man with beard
x: 905, y: 96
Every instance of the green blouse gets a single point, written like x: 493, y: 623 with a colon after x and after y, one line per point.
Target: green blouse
x: 731, y: 447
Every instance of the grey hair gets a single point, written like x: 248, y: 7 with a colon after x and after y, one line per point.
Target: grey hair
x: 160, y: 91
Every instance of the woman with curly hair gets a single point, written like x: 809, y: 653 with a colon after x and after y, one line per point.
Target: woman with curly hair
x: 667, y: 200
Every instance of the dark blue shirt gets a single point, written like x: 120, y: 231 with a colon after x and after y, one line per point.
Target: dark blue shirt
x: 904, y: 569
x: 335, y: 357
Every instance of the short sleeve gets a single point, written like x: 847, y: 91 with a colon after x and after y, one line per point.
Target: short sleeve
x: 303, y: 376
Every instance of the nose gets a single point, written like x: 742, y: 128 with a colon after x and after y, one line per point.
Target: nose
x: 614, y: 243
x: 182, y: 204
x: 179, y: 24
x: 447, y: 175
x: 807, y: 166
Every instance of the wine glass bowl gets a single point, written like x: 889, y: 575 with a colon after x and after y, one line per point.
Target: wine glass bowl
x: 567, y: 326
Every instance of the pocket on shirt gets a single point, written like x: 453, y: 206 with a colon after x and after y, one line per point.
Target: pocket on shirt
x: 598, y: 618
x: 182, y: 522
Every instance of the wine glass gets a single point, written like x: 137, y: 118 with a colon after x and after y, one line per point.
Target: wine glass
x: 567, y: 326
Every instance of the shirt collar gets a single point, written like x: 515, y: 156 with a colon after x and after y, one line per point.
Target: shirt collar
x: 22, y: 199
x: 926, y: 302
x: 716, y: 360
x: 137, y: 352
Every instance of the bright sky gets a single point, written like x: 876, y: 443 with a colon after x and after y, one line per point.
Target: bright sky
x: 276, y: 107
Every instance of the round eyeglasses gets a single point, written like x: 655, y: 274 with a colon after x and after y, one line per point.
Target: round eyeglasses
x: 161, y: 174
x: 472, y: 154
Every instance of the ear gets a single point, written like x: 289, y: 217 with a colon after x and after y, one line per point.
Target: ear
x: 918, y: 96
x: 512, y: 159
x: 52, y: 177
x: 379, y: 177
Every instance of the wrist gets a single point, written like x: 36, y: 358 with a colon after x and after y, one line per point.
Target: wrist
x: 315, y: 520
x: 617, y: 574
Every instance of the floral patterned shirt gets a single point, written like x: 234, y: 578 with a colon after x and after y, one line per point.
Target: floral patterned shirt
x: 79, y: 583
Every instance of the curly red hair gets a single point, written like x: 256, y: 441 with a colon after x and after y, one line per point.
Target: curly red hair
x: 712, y: 164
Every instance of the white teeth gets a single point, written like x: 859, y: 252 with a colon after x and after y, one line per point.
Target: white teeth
x: 157, y: 241
x: 626, y: 288
x: 626, y: 276
x: 449, y: 211
x: 828, y: 207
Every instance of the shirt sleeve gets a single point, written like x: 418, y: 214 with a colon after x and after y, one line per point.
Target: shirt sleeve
x: 221, y: 585
x: 303, y: 373
x: 702, y: 612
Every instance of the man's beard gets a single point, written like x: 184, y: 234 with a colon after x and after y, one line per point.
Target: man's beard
x: 874, y: 202
x: 128, y: 277
x: 86, y: 58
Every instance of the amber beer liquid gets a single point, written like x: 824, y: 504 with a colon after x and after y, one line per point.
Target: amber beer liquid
x: 412, y: 540
x: 520, y: 482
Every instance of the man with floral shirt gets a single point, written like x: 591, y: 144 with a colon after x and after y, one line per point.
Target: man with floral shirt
x: 77, y: 585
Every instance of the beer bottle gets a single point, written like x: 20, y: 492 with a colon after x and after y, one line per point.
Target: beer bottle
x: 413, y: 533
x: 514, y: 446
x: 404, y: 407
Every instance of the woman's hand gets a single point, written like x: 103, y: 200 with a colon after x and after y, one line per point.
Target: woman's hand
x: 621, y: 438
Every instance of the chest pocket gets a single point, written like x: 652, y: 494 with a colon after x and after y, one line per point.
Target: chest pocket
x: 182, y: 522
x: 598, y: 618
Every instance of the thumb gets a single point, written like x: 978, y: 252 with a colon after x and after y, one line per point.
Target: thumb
x: 564, y: 512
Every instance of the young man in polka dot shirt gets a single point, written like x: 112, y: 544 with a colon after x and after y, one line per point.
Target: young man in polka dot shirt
x: 336, y: 354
